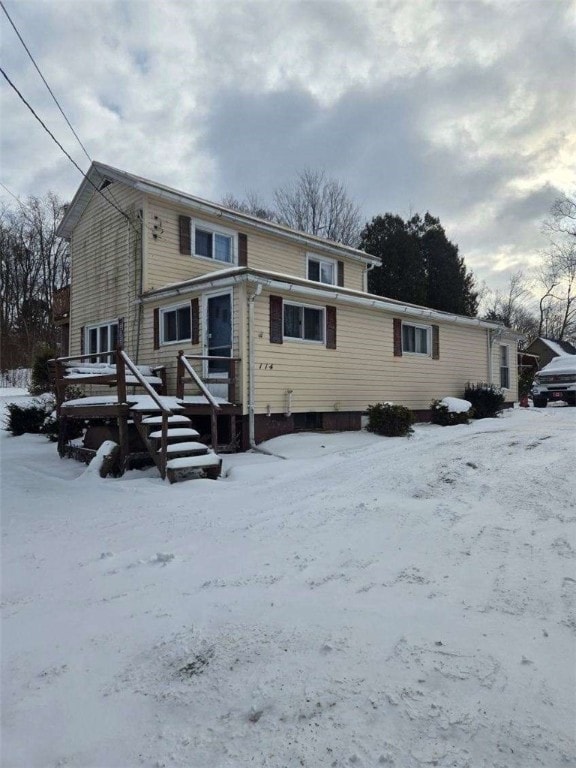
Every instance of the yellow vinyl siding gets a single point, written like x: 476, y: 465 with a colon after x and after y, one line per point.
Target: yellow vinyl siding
x: 105, y: 276
x: 275, y: 255
x: 165, y: 264
x: 362, y: 369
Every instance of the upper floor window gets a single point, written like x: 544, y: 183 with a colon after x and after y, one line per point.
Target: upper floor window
x: 322, y: 270
x: 504, y: 367
x: 176, y: 324
x: 305, y: 323
x: 416, y: 339
x: 101, y: 338
x: 213, y: 243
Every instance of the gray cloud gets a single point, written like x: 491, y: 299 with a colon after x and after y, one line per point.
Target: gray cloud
x: 465, y: 109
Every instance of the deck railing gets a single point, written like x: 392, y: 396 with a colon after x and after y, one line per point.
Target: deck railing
x: 117, y: 378
x: 184, y: 369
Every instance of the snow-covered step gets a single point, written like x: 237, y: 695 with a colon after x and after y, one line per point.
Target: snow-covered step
x: 194, y: 462
x: 176, y: 432
x: 153, y: 420
x: 186, y: 447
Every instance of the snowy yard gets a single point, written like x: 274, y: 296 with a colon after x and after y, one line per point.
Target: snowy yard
x: 364, y: 602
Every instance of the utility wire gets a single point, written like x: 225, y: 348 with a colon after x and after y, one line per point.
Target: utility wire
x: 55, y: 140
x: 50, y: 91
x: 44, y: 80
x: 12, y: 194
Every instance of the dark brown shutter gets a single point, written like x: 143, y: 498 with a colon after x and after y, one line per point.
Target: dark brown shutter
x: 82, y: 339
x: 242, y: 250
x: 120, y: 335
x: 435, y: 342
x: 156, y: 328
x: 276, y: 320
x: 397, y: 337
x: 330, y: 327
x: 185, y: 235
x: 341, y: 274
x: 195, y: 319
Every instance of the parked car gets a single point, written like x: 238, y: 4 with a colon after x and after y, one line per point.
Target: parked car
x: 556, y: 382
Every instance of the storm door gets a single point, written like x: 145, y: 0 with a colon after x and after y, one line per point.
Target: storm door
x: 218, y: 340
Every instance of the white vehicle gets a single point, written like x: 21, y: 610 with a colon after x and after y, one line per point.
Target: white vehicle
x: 556, y: 382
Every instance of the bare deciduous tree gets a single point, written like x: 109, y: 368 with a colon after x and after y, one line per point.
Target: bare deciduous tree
x: 252, y: 204
x: 512, y: 307
x: 556, y: 276
x: 34, y: 263
x: 319, y: 205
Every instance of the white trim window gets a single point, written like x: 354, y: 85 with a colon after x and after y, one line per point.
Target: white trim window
x: 416, y: 339
x: 211, y: 242
x: 504, y: 367
x: 304, y: 323
x: 176, y: 324
x: 101, y: 338
x: 321, y: 270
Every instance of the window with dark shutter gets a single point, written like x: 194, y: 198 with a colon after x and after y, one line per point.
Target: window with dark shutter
x: 435, y: 342
x: 330, y: 327
x: 341, y: 274
x: 185, y: 236
x: 195, y: 309
x: 82, y: 337
x: 397, y: 337
x: 276, y: 330
x: 156, y: 328
x: 242, y: 250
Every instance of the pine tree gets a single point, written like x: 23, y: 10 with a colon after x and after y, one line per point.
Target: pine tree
x: 419, y: 264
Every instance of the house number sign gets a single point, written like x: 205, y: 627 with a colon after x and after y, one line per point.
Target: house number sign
x: 266, y: 366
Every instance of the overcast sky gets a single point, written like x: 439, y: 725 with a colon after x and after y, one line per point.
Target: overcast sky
x: 466, y: 109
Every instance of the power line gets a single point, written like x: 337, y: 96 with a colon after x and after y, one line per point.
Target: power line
x: 55, y: 140
x: 44, y: 80
x: 12, y: 194
x: 50, y: 91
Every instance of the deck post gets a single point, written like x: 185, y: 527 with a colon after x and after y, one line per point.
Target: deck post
x: 232, y: 381
x: 123, y: 438
x: 62, y: 435
x: 214, y: 429
x: 120, y: 376
x: 164, y: 445
x: 180, y: 375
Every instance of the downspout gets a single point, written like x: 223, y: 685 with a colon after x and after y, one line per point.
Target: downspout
x: 369, y: 268
x: 251, y: 376
x: 489, y: 343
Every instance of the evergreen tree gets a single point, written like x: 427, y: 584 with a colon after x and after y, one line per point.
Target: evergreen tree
x: 419, y: 264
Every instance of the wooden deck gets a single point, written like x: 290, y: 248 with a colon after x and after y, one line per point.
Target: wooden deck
x: 119, y: 414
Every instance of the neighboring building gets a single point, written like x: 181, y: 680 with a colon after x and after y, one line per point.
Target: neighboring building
x: 158, y: 270
x: 547, y: 349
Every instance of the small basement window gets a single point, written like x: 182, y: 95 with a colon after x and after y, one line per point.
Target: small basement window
x: 176, y: 324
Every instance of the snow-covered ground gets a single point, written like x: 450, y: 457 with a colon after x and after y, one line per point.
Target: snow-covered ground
x: 362, y: 602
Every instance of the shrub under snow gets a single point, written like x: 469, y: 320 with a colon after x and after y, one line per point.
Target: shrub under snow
x: 450, y: 411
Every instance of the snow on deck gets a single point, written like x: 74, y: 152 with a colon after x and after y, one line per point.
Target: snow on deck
x: 145, y: 402
x: 365, y: 601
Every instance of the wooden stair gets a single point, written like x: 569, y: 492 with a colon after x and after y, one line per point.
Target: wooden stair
x: 182, y: 452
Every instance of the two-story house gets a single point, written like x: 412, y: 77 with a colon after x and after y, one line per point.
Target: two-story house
x: 159, y: 271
